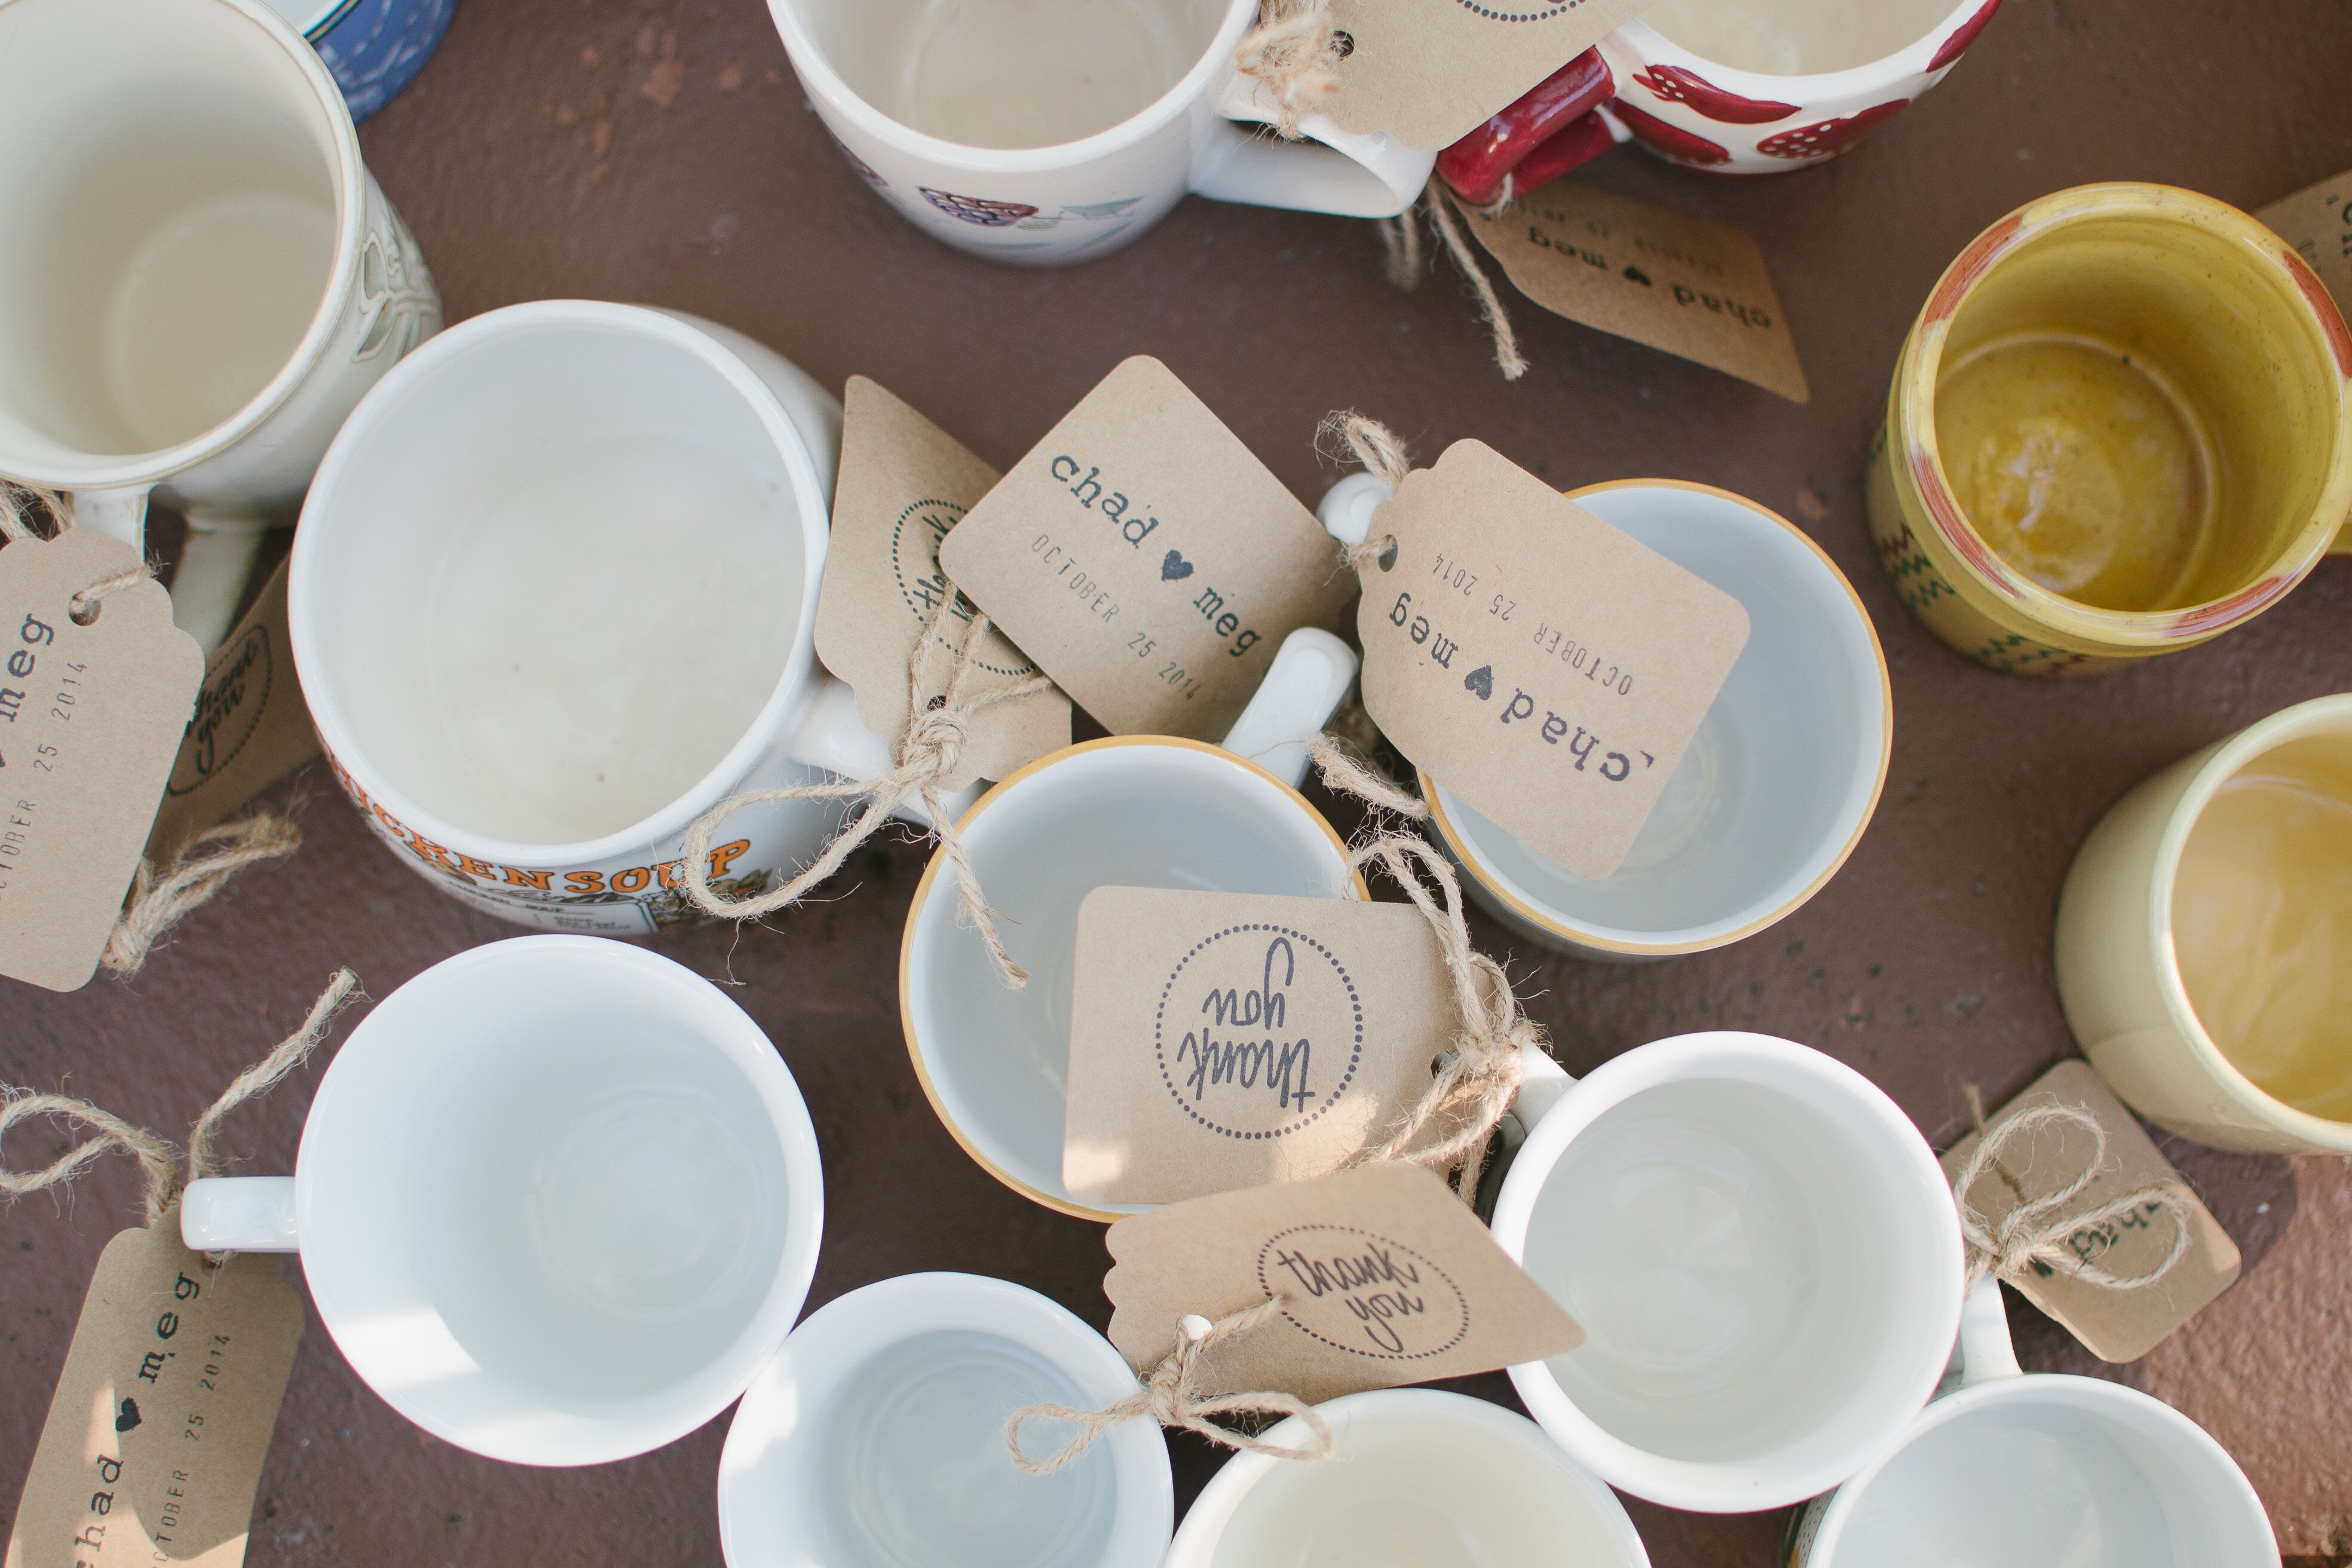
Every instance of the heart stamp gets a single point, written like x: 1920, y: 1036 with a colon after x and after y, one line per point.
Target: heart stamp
x: 129, y: 1416
x: 1174, y: 568
x: 1481, y: 681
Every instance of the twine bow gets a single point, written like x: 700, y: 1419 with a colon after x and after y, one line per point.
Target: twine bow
x: 1171, y: 1397
x: 156, y: 1156
x: 939, y: 728
x: 2035, y: 1231
x: 1295, y: 52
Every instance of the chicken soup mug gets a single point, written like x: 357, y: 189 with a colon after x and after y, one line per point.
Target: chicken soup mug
x: 875, y: 1439
x: 199, y: 278
x: 2121, y: 425
x: 554, y: 597
x: 1763, y: 1254
x: 2012, y: 1468
x: 1732, y: 87
x: 1047, y: 131
x: 557, y: 1200
x: 1134, y: 811
x: 1778, y: 784
x: 1417, y: 1476
x: 2201, y: 935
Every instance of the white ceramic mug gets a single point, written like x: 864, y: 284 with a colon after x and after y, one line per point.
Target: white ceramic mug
x: 2013, y: 1469
x: 557, y: 1200
x: 1045, y: 132
x: 1776, y: 787
x: 1765, y: 1259
x: 1137, y: 810
x: 554, y: 597
x: 199, y: 278
x: 1420, y: 1475
x: 875, y: 1439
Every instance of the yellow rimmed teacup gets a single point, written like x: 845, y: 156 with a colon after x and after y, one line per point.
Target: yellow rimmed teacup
x: 2121, y: 425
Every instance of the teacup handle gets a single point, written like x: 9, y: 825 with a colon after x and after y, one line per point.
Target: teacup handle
x: 238, y: 1213
x: 1302, y: 688
x: 1987, y: 1352
x: 1337, y: 172
x: 831, y: 736
x: 214, y: 564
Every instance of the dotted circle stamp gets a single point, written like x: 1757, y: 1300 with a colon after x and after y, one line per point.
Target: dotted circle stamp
x: 1224, y: 1039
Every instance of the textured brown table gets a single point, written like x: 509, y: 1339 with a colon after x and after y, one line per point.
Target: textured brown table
x: 662, y: 152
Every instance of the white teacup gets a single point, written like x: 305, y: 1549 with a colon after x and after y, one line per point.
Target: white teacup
x: 1137, y: 810
x: 199, y: 278
x: 557, y: 1200
x: 554, y: 597
x: 1778, y: 784
x: 2012, y: 1470
x: 1420, y: 1477
x: 1045, y: 131
x: 875, y: 1439
x: 1763, y: 1254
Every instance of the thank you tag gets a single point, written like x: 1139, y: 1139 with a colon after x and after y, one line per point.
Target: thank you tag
x: 91, y: 718
x: 2113, y: 1325
x: 1695, y: 289
x: 249, y: 729
x: 1429, y: 72
x: 1226, y: 1040
x: 2317, y: 222
x: 1542, y: 665
x: 1385, y: 1277
x: 905, y: 484
x: 154, y: 1439
x: 1146, y: 560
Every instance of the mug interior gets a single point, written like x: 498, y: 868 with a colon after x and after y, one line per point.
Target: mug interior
x: 1127, y: 812
x: 553, y: 573
x: 1785, y: 769
x: 558, y: 1199
x: 171, y: 185
x: 1798, y: 37
x: 1009, y: 74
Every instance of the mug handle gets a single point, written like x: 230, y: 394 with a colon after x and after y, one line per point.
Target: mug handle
x: 214, y: 564
x: 2343, y: 545
x: 238, y: 1213
x: 1986, y: 1351
x: 832, y: 737
x: 1303, y: 687
x: 1339, y: 171
x: 1548, y: 130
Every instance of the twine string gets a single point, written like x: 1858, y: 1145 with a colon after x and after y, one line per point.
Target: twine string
x: 1171, y: 1397
x: 160, y: 897
x: 2035, y: 1231
x: 1294, y: 53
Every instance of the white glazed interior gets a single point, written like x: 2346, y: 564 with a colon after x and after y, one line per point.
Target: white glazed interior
x: 1764, y: 1256
x: 1131, y: 811
x: 558, y: 1199
x: 1783, y: 775
x: 781, y: 1502
x: 1819, y: 86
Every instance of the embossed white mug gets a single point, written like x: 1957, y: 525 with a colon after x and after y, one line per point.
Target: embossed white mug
x: 198, y: 279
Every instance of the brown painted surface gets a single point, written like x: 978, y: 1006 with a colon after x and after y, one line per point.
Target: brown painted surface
x: 661, y: 153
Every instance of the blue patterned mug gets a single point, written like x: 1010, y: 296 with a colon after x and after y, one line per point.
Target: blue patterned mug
x: 375, y: 47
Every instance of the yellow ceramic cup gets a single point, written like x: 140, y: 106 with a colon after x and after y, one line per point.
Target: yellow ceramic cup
x: 2264, y: 955
x: 2121, y: 425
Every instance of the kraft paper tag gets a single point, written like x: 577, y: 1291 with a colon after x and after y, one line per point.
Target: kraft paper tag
x: 1226, y: 1040
x: 1146, y: 560
x: 155, y: 1440
x: 249, y: 729
x: 905, y: 484
x: 1429, y: 72
x: 1385, y: 1277
x: 1695, y: 289
x: 1543, y: 666
x: 2317, y: 222
x: 91, y: 717
x: 2113, y: 1325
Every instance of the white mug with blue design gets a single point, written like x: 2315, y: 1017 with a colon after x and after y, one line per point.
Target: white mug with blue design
x: 1048, y: 131
x: 374, y: 47
x: 199, y: 278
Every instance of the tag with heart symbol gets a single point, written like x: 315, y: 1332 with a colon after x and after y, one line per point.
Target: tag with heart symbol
x: 1146, y: 560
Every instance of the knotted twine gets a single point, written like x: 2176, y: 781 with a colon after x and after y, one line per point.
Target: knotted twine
x: 938, y: 729
x: 159, y: 896
x: 2035, y: 1232
x: 156, y: 1156
x: 1295, y: 52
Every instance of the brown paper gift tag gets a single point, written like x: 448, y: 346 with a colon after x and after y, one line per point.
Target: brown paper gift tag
x: 249, y: 729
x: 154, y: 1439
x: 905, y: 484
x: 1429, y: 72
x: 2113, y: 1325
x: 1386, y: 1278
x: 1227, y: 1040
x: 1543, y: 666
x: 1695, y: 289
x: 2317, y: 222
x: 1146, y: 560
x: 91, y: 717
